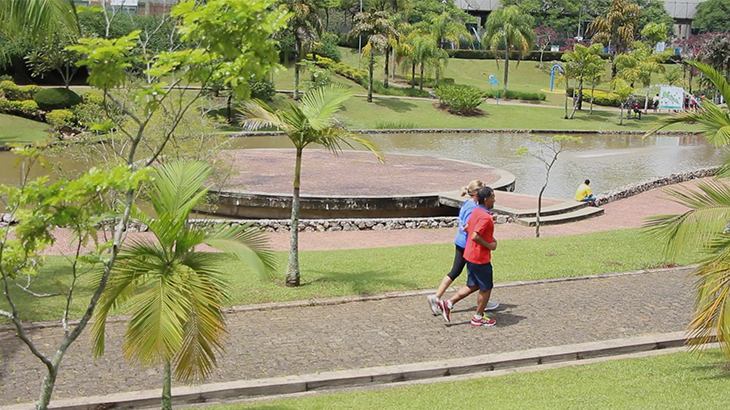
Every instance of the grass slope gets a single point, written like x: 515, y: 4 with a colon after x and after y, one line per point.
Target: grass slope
x: 21, y: 130
x: 674, y: 381
x: 372, y: 271
x: 359, y: 114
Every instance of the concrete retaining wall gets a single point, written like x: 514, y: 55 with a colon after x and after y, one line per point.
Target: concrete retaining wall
x: 635, y: 189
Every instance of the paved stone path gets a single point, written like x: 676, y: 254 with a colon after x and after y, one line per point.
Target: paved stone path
x: 311, y: 339
x: 267, y: 343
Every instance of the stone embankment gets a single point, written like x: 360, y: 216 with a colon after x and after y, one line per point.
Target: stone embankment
x: 635, y: 189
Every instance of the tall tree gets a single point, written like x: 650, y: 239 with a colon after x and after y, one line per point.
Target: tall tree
x: 583, y: 63
x: 426, y: 54
x: 312, y: 121
x: 175, y: 294
x: 712, y: 15
x: 544, y: 37
x: 512, y: 28
x: 638, y: 66
x: 704, y: 227
x: 617, y: 30
x: 443, y: 28
x: 307, y: 28
x: 378, y: 28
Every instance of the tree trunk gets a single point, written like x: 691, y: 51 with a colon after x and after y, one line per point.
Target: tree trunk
x: 413, y: 75
x: 621, y: 115
x: 292, y: 271
x: 297, y: 56
x: 593, y: 88
x: 576, y: 98
x: 229, y: 108
x: 646, y: 101
x: 566, y: 101
x: 387, y: 66
x: 436, y: 74
x: 539, y: 211
x: 166, y: 387
x: 420, y: 80
x: 506, y: 68
x: 370, y: 68
x: 49, y: 381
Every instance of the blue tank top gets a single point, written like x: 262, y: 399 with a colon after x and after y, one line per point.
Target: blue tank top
x: 464, y: 213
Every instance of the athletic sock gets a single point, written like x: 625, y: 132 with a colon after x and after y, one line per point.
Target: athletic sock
x: 449, y: 304
x: 477, y: 317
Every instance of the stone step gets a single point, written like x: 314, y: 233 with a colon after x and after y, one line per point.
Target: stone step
x: 576, y: 215
x: 562, y: 208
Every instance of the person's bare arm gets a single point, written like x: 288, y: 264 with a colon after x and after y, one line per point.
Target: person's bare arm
x: 478, y: 239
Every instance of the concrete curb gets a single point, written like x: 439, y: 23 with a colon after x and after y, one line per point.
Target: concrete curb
x: 373, y: 376
x: 365, y: 298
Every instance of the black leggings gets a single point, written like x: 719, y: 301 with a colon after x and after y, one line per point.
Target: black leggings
x: 459, y: 263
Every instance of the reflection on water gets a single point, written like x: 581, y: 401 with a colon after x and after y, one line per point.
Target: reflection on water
x: 609, y: 161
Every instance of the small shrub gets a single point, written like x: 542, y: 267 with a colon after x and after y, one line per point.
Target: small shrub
x: 10, y: 90
x: 26, y: 109
x: 50, y: 99
x: 60, y: 118
x: 92, y: 97
x: 319, y: 78
x: 328, y: 47
x: 28, y: 92
x: 459, y: 99
x: 6, y: 77
x: 263, y: 90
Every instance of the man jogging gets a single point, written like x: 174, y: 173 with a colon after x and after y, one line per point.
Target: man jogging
x: 478, y: 254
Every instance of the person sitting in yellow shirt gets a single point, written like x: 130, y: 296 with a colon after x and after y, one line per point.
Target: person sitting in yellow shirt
x: 583, y: 193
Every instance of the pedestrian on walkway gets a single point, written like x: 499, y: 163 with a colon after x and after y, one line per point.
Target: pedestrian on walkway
x: 478, y: 254
x: 459, y: 243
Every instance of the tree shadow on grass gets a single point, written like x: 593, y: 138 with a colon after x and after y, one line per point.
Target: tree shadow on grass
x: 361, y: 282
x: 396, y: 105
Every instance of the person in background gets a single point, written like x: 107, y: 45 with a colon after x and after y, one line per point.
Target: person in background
x: 655, y: 102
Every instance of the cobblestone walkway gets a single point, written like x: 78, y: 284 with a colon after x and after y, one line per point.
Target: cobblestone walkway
x: 374, y: 333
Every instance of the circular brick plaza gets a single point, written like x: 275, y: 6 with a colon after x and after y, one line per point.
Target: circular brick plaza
x: 354, y: 173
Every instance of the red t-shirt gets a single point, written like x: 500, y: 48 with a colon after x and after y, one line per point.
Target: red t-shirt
x: 481, y: 222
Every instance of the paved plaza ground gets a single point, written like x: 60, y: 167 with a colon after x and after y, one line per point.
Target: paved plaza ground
x: 305, y: 339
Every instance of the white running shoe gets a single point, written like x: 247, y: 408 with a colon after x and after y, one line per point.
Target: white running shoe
x: 433, y: 303
x: 492, y: 305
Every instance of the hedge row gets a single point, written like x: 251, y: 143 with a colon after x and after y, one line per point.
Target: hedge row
x: 605, y: 98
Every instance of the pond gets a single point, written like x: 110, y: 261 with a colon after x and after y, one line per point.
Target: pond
x: 609, y: 161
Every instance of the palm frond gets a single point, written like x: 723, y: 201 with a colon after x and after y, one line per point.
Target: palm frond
x: 715, y: 76
x: 712, y: 301
x: 708, y: 214
x: 247, y: 244
x: 257, y: 114
x: 321, y: 104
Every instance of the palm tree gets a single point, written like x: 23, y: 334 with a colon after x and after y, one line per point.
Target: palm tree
x: 639, y: 65
x: 624, y: 90
x: 307, y: 28
x: 705, y: 225
x: 175, y: 293
x: 513, y: 28
x: 443, y: 28
x: 583, y: 63
x: 378, y: 29
x: 426, y: 53
x: 312, y: 121
x: 618, y: 29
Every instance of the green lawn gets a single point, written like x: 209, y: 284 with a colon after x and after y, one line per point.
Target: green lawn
x: 17, y: 129
x: 371, y: 271
x: 358, y: 114
x: 673, y: 381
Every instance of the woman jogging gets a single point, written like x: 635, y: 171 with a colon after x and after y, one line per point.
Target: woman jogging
x: 460, y: 243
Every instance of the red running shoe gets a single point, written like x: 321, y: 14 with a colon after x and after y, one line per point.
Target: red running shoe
x: 484, y: 321
x: 445, y: 309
